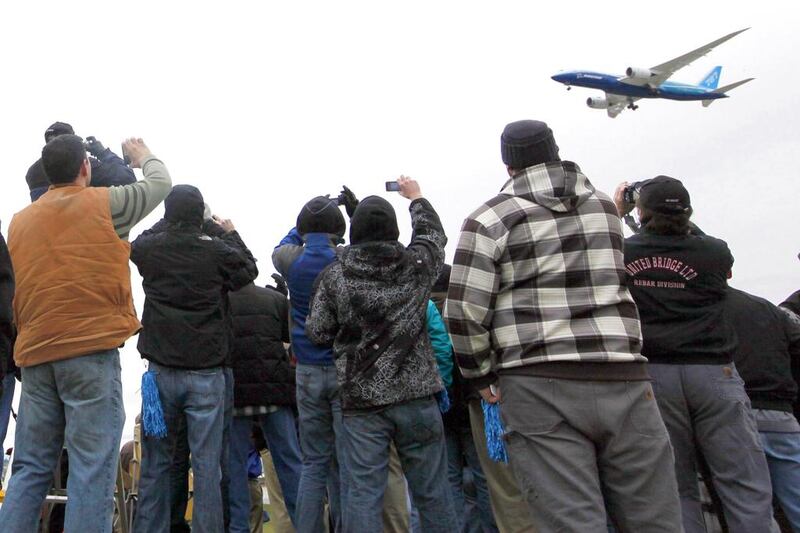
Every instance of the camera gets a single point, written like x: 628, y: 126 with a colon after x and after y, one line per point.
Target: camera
x: 341, y: 199
x: 631, y: 193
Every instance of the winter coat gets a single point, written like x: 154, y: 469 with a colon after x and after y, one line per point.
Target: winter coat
x: 261, y: 371
x: 538, y: 277
x: 187, y: 276
x: 371, y: 306
x: 440, y: 341
x: 679, y: 283
x: 300, y: 259
x: 769, y: 341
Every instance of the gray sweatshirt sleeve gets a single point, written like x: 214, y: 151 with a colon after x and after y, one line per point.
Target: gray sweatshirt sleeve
x: 131, y: 203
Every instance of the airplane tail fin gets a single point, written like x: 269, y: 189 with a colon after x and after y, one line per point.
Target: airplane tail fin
x: 711, y: 80
x: 723, y: 90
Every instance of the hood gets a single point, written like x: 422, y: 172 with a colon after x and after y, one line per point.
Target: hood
x: 184, y: 204
x: 374, y: 220
x: 378, y: 261
x: 559, y: 186
x: 792, y: 303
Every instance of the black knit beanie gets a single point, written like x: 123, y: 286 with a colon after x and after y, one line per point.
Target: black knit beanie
x: 526, y: 143
x: 184, y: 204
x: 321, y: 215
x: 374, y: 220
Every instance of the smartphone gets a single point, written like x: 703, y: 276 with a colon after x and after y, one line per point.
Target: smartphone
x: 125, y: 155
x: 392, y: 186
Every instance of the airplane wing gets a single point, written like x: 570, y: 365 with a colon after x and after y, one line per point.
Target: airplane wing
x: 617, y: 104
x: 664, y: 71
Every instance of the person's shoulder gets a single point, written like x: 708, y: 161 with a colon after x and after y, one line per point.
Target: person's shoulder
x: 489, y: 212
x: 36, y: 167
x: 710, y: 244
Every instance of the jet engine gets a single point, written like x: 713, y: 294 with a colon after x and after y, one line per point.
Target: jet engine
x: 639, y: 73
x: 597, y: 103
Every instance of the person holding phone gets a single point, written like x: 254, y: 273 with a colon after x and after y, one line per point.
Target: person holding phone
x: 370, y: 307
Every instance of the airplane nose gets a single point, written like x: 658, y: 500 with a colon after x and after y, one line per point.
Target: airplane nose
x: 558, y: 77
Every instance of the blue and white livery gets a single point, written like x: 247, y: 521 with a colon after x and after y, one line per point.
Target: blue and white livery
x: 623, y: 91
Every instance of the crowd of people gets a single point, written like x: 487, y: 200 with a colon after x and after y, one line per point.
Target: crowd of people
x: 623, y: 369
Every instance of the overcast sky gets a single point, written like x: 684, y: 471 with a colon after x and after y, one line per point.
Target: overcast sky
x: 264, y: 105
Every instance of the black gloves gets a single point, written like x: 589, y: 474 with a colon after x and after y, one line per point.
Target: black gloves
x: 348, y: 200
x: 94, y: 147
x: 280, y: 284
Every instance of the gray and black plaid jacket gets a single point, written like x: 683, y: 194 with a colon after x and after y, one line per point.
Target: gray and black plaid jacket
x: 538, y: 276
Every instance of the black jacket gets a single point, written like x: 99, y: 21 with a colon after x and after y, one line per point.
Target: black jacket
x: 371, y: 305
x: 261, y: 371
x: 186, y: 277
x: 679, y: 283
x: 7, y: 333
x: 768, y: 342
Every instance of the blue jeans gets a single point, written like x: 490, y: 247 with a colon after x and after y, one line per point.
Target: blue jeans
x: 179, y: 479
x: 783, y: 458
x: 461, y: 452
x: 196, y: 397
x: 416, y: 429
x: 225, y: 460
x: 320, y: 440
x: 281, y: 435
x: 75, y: 403
x: 9, y: 384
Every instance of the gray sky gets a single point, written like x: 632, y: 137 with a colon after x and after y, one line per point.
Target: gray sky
x: 264, y: 105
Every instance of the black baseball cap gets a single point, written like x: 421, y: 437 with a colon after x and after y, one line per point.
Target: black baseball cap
x: 56, y: 129
x: 664, y: 195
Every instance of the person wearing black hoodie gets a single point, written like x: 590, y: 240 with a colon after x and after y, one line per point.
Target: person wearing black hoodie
x: 186, y: 336
x: 679, y: 282
x: 371, y: 307
x: 769, y: 343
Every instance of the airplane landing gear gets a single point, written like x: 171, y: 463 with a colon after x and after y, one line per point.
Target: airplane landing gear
x: 633, y: 107
x: 569, y: 88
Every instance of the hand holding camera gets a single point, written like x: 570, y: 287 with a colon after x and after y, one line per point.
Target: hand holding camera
x: 134, y: 152
x: 624, y: 198
x: 93, y: 146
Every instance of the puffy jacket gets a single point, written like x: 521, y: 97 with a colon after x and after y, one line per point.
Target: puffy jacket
x: 187, y: 276
x: 371, y: 306
x: 261, y: 371
x: 300, y: 259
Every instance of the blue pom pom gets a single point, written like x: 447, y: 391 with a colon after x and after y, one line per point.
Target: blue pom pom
x: 443, y: 400
x: 494, y: 432
x: 153, y: 422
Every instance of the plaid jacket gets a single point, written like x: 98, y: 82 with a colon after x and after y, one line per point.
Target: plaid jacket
x: 539, y: 276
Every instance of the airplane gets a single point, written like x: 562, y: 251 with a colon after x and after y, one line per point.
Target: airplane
x: 623, y: 92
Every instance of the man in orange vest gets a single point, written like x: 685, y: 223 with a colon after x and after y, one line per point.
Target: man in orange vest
x: 73, y: 309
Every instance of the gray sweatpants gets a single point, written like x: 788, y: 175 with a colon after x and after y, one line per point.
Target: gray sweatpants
x: 578, y: 448
x: 706, y: 406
